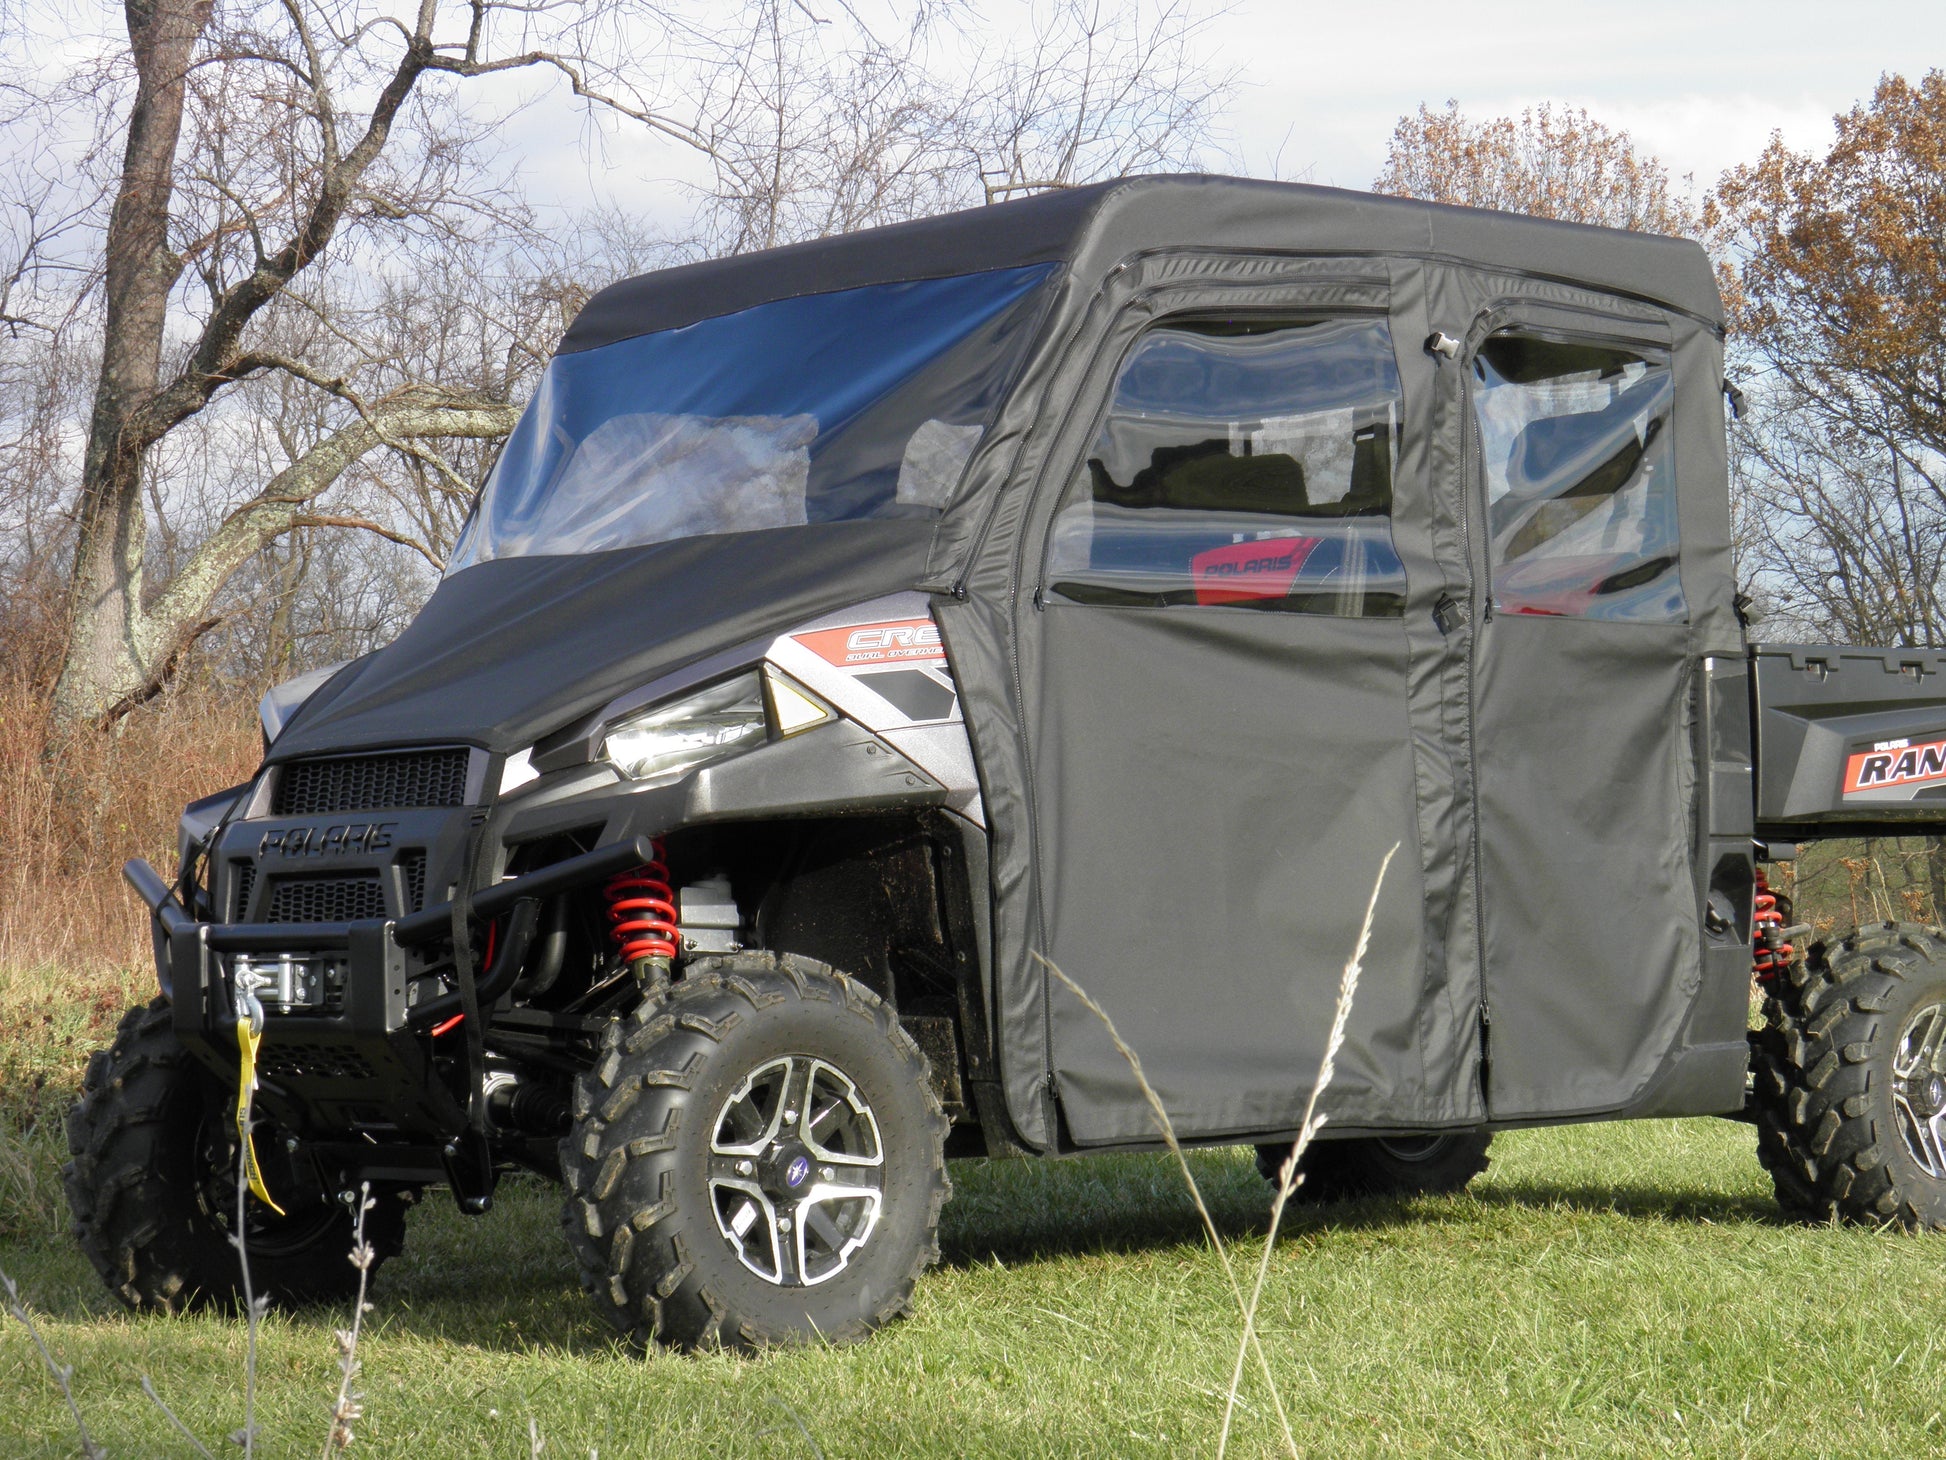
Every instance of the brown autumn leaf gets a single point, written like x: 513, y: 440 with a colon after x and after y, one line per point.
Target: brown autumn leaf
x: 1838, y: 262
x: 1548, y: 162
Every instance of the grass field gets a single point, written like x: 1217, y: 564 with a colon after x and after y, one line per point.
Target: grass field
x: 1604, y: 1290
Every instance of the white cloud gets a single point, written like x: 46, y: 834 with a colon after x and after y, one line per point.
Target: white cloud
x: 1700, y: 84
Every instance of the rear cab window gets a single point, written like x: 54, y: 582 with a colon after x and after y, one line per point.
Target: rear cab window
x: 1580, y: 477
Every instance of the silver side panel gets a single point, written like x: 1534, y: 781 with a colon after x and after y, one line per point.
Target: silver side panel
x: 883, y: 664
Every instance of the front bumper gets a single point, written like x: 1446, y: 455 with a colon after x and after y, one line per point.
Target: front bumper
x: 365, y: 1067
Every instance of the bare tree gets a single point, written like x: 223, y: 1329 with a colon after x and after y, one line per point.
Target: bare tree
x: 316, y: 299
x: 259, y: 135
x: 1836, y: 273
x: 811, y: 134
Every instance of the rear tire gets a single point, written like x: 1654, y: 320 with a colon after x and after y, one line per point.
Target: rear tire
x: 152, y: 1188
x: 1850, y: 1084
x: 1428, y: 1165
x: 712, y: 1141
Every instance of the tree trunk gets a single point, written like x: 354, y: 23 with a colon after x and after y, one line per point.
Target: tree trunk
x: 112, y: 653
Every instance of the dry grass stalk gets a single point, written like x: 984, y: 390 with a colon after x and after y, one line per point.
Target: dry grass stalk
x: 1168, y: 1132
x: 148, y: 1388
x: 63, y: 1374
x: 1288, y: 1175
x: 349, y: 1405
x: 253, y: 1306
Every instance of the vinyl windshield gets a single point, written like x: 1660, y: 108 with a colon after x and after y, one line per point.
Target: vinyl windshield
x: 861, y: 403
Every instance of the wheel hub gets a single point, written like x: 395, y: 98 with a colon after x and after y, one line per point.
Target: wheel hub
x: 1928, y: 1096
x: 796, y: 1171
x: 785, y: 1171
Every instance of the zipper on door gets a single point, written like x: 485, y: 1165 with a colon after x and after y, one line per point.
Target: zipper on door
x: 1468, y: 433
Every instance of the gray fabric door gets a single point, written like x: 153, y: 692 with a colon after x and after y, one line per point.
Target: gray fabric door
x: 1214, y: 694
x: 1582, y: 733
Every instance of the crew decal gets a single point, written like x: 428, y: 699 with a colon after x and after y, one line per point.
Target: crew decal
x: 900, y: 641
x: 1240, y: 571
x: 1896, y: 763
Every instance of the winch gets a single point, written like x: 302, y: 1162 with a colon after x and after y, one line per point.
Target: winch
x: 286, y: 982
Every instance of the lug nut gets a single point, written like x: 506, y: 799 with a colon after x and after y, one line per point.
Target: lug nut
x: 290, y: 1144
x: 783, y: 1224
x: 744, y: 1168
x: 790, y: 1117
x: 825, y: 1172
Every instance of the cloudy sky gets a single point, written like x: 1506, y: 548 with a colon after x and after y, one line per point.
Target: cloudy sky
x: 1702, y: 83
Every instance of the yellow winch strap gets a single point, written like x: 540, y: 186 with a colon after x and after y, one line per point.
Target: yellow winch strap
x: 247, y: 1040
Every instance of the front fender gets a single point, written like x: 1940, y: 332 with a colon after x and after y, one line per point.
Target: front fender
x: 837, y: 769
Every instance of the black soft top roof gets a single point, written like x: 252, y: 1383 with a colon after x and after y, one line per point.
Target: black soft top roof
x: 1096, y: 227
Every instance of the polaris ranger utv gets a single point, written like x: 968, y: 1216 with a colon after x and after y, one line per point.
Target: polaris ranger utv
x: 1108, y: 577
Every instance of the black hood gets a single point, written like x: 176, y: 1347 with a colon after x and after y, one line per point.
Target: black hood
x: 507, y: 650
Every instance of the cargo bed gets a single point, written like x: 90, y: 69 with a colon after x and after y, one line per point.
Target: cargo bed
x: 1848, y: 741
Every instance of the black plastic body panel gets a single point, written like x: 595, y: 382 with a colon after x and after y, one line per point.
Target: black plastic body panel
x: 1848, y: 741
x: 836, y: 770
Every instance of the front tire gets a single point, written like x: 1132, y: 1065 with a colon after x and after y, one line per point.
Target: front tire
x: 1850, y: 1082
x: 151, y: 1185
x: 1427, y: 1165
x: 757, y: 1159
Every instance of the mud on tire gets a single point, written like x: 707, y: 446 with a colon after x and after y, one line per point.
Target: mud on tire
x: 1427, y: 1165
x: 151, y: 1188
x: 1850, y: 1080
x: 679, y: 1164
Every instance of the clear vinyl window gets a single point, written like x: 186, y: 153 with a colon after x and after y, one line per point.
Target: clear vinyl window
x: 861, y: 403
x: 1243, y: 463
x: 1580, y: 478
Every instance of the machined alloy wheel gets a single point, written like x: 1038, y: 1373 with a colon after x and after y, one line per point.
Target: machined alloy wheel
x: 795, y: 1158
x: 757, y: 1159
x: 1919, y: 1089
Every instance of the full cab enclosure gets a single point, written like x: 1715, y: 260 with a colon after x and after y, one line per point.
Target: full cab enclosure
x: 1188, y: 789
x: 1109, y: 580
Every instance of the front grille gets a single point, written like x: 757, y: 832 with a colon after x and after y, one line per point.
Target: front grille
x: 413, y: 864
x: 389, y: 781
x: 245, y: 877
x: 319, y: 1061
x: 326, y: 898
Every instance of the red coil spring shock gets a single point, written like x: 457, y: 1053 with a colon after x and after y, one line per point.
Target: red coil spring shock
x: 1769, y: 957
x: 642, y: 914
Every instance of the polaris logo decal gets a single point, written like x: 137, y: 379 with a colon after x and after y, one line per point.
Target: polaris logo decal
x: 1238, y: 572
x: 901, y: 641
x: 1898, y: 764
x: 328, y: 841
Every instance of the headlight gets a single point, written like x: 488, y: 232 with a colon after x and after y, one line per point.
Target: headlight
x: 664, y: 743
